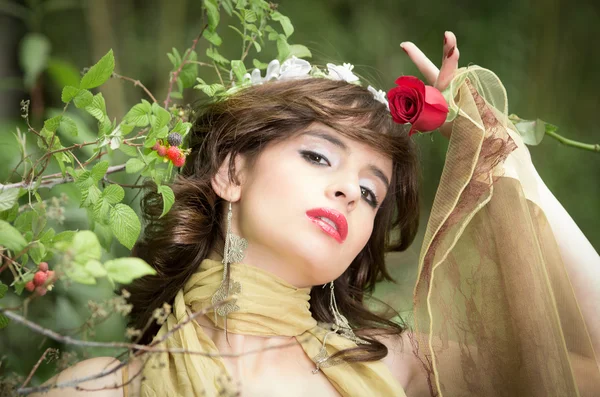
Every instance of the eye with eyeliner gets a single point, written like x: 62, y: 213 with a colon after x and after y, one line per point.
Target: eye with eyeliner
x: 318, y: 159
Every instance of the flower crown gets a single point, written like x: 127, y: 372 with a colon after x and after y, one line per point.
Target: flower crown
x: 411, y: 102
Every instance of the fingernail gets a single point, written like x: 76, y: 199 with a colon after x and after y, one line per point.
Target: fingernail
x: 403, y: 49
x: 450, y: 52
x: 445, y: 38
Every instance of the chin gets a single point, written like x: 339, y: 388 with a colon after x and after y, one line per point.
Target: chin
x: 322, y: 262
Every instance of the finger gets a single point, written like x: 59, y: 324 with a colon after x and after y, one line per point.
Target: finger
x: 425, y: 66
x: 449, y: 63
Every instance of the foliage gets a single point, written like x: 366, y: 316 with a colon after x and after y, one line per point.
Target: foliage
x: 143, y: 135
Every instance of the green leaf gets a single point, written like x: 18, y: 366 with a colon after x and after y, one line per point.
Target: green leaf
x: 125, y: 224
x: 134, y: 165
x: 189, y: 72
x: 259, y: 65
x: 238, y: 69
x: 83, y: 99
x: 8, y: 198
x: 11, y: 238
x: 48, y: 236
x: 532, y: 131
x: 283, y: 48
x: 97, y: 108
x: 212, y: 11
x: 90, y: 196
x: 3, y: 321
x: 66, y: 236
x: 299, y: 51
x: 99, y: 170
x: 68, y: 93
x: 95, y: 268
x: 85, y: 247
x: 129, y: 150
x: 99, y: 73
x: 212, y: 37
x: 34, y: 51
x: 52, y: 124
x: 285, y: 22
x: 37, y: 252
x: 139, y: 115
x: 113, y: 194
x: 125, y: 270
x: 3, y: 290
x: 68, y: 126
x: 213, y: 54
x: 168, y: 198
x: 162, y: 116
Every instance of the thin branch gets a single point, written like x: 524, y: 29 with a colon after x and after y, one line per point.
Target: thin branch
x: 122, y: 184
x: 136, y: 83
x: 36, y: 366
x: 175, y: 74
x: 50, y: 182
x: 141, y: 349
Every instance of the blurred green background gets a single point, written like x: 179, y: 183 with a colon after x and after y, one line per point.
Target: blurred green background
x: 545, y: 52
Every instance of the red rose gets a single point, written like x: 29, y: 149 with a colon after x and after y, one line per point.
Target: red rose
x: 411, y: 101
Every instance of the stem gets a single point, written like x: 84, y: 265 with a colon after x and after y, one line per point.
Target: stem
x: 50, y: 182
x: 569, y: 142
x: 135, y: 83
x: 175, y: 74
x: 37, y: 365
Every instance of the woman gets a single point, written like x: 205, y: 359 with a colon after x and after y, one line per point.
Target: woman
x: 319, y: 182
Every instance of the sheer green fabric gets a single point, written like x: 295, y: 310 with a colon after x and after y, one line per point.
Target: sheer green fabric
x: 494, y: 311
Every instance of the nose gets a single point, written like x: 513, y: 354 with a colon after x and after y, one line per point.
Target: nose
x: 347, y: 193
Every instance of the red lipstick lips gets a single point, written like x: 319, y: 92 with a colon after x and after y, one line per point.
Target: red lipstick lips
x: 330, y: 221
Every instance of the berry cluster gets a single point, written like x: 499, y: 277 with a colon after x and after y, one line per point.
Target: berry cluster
x: 42, y: 277
x: 171, y: 152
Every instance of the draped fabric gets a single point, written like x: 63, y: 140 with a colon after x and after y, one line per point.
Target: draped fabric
x: 194, y: 375
x: 494, y: 311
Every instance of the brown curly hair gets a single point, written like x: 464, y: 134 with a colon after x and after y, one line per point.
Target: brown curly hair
x: 244, y: 124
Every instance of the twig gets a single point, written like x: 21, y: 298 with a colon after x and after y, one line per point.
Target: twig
x: 141, y: 349
x: 136, y: 83
x: 175, y: 75
x: 50, y: 182
x: 36, y: 366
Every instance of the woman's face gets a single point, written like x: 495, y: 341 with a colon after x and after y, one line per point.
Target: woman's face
x: 308, y: 204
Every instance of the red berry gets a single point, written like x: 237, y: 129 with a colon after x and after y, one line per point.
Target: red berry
x: 30, y: 286
x: 173, y: 153
x: 43, y: 266
x: 179, y: 161
x: 156, y: 146
x: 162, y: 150
x: 40, y: 278
x: 41, y: 291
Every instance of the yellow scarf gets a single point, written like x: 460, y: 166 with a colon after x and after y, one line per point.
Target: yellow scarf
x: 193, y: 375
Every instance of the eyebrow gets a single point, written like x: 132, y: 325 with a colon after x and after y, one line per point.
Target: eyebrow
x: 335, y: 141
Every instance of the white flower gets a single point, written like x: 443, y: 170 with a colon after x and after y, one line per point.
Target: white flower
x: 380, y: 96
x: 294, y: 68
x: 254, y: 78
x: 272, y: 70
x: 343, y: 72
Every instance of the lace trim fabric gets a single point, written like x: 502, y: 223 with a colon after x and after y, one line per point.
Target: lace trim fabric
x: 494, y: 310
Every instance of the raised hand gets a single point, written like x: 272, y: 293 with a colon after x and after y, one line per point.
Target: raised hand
x: 439, y: 78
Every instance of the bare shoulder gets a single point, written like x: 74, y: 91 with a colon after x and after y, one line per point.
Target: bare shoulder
x: 109, y: 385
x: 404, y: 365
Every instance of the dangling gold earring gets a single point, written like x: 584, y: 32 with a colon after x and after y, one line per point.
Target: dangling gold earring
x: 342, y: 327
x: 235, y: 247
